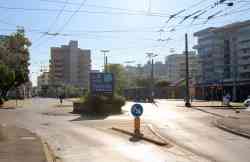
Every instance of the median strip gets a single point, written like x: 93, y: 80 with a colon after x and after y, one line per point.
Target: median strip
x: 143, y: 137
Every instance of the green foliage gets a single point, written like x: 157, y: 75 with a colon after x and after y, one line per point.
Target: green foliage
x: 71, y: 91
x: 118, y: 101
x: 103, y: 105
x: 7, y: 79
x: 141, y: 82
x: 7, y: 76
x: 162, y: 84
x: 14, y: 54
x: 120, y: 78
x: 1, y: 101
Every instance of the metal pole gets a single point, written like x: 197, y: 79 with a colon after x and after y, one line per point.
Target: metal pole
x: 16, y: 97
x: 187, y: 104
x: 106, y: 60
x: 151, y: 56
x: 152, y: 80
x: 104, y: 65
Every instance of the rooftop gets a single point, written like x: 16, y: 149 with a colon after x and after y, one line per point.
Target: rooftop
x: 223, y: 28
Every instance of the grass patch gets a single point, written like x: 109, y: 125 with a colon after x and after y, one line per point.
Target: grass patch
x: 237, y: 104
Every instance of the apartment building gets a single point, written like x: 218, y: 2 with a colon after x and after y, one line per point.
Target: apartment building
x: 176, y: 66
x: 42, y: 80
x: 70, y: 65
x: 225, y: 60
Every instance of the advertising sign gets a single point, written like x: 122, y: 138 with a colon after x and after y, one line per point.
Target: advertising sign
x: 101, y: 83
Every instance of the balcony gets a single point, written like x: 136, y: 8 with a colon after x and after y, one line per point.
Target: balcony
x: 244, y: 61
x: 59, y: 64
x: 243, y: 69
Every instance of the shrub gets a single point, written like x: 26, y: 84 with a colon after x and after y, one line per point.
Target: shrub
x: 102, y: 104
x: 118, y: 100
x: 1, y: 101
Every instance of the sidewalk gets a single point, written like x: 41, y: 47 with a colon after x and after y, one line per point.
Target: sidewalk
x: 216, y: 104
x: 234, y: 120
x: 13, y: 104
x: 237, y: 124
x: 20, y: 145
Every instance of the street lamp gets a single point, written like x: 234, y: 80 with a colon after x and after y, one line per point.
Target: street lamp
x: 187, y: 100
x: 105, y: 59
x: 151, y: 56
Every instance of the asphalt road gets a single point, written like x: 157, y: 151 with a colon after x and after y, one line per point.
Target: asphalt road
x: 195, y: 131
x: 74, y: 140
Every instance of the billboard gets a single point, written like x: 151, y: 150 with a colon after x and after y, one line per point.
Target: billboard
x: 101, y: 83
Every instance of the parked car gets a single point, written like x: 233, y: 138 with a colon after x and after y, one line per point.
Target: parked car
x: 247, y: 102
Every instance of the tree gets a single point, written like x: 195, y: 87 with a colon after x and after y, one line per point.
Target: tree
x: 143, y: 82
x: 162, y: 84
x: 120, y: 78
x: 7, y: 79
x: 72, y: 91
x: 14, y: 53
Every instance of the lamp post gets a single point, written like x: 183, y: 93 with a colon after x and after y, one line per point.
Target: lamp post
x: 187, y: 103
x: 151, y: 56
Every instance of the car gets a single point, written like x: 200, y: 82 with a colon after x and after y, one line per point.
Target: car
x: 247, y: 102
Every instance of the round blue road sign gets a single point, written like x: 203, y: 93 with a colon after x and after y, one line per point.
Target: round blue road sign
x: 137, y: 110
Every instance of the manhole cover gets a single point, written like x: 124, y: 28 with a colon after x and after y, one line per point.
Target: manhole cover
x: 28, y: 138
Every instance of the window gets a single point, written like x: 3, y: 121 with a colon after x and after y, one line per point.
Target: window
x: 246, y: 57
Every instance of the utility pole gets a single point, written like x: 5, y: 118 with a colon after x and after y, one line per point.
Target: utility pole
x: 151, y: 56
x: 187, y: 103
x: 104, y: 54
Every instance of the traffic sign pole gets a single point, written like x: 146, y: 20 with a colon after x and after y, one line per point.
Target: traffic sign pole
x: 137, y: 126
x: 137, y: 111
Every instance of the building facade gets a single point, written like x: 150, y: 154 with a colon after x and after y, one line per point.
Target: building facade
x: 42, y: 80
x: 70, y: 65
x: 176, y: 66
x: 225, y: 60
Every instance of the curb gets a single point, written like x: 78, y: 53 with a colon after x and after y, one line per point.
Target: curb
x: 144, y: 138
x: 152, y: 129
x: 230, y: 130
x: 49, y: 153
x: 215, y: 114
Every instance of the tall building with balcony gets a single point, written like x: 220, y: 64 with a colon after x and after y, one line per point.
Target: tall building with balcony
x: 225, y: 60
x: 70, y: 65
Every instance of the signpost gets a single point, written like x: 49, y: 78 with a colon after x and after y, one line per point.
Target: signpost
x: 102, y: 84
x: 137, y: 111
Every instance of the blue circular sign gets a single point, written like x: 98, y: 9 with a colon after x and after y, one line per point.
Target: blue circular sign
x: 137, y: 110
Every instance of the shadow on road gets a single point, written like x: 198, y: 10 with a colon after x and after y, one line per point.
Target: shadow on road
x: 90, y: 117
x: 60, y: 106
x: 7, y: 108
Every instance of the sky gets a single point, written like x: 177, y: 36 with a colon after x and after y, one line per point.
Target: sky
x: 128, y: 28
